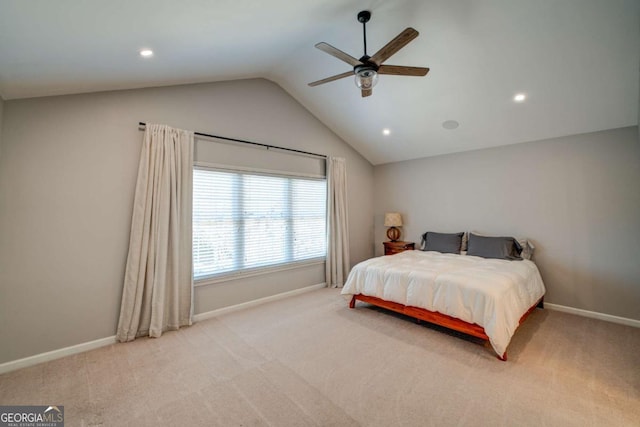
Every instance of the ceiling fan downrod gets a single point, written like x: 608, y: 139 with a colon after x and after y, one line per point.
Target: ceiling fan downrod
x: 364, y: 17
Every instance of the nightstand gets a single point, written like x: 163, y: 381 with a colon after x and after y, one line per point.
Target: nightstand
x: 396, y: 247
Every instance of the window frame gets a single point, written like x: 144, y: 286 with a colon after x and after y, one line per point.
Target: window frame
x: 256, y: 271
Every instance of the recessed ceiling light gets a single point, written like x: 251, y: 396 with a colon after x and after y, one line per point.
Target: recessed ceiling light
x: 386, y: 131
x: 450, y: 124
x: 520, y: 97
x: 146, y: 53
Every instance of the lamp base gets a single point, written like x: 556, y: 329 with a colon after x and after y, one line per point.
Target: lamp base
x: 393, y: 234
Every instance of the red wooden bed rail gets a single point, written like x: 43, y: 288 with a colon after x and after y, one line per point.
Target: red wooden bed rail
x: 435, y: 317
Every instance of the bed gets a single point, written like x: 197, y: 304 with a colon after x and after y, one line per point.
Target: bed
x: 485, y: 298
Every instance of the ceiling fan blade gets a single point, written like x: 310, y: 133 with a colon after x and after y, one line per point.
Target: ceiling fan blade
x: 366, y: 92
x: 325, y: 47
x: 400, y: 70
x: 332, y: 78
x: 394, y: 45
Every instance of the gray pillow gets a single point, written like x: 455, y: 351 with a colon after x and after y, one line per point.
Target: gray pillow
x: 448, y: 243
x: 494, y: 247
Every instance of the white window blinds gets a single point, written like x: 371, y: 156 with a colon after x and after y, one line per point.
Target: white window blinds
x: 244, y: 220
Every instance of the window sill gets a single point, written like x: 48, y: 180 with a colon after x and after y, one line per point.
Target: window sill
x: 226, y: 277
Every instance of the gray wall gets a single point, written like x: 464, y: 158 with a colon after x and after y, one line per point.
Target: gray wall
x: 67, y: 177
x: 1, y: 115
x: 576, y: 197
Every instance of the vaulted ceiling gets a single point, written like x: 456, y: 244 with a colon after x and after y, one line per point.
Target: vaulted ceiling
x: 577, y: 61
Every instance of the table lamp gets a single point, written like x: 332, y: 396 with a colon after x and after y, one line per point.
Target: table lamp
x: 393, y: 220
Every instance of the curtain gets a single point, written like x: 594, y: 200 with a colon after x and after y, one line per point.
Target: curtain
x: 158, y: 284
x: 337, y: 265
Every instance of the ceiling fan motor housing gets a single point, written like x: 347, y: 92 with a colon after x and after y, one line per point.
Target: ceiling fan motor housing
x: 366, y: 65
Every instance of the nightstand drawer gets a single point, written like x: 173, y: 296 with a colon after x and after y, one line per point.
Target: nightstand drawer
x: 391, y: 248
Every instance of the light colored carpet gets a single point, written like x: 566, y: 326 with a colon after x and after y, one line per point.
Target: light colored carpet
x: 310, y: 360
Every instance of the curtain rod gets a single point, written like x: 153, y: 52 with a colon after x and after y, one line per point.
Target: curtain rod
x: 267, y: 146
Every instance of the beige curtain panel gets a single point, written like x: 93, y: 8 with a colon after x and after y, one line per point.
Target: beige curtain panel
x: 158, y: 284
x: 337, y: 265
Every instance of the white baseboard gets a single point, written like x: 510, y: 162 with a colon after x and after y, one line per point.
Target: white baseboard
x: 209, y: 314
x: 593, y: 315
x: 102, y: 342
x: 79, y: 348
x: 55, y: 354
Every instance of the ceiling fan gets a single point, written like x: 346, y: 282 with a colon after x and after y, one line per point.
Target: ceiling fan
x: 367, y: 68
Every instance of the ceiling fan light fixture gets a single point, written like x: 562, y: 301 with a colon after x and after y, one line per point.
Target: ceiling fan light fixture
x: 366, y: 79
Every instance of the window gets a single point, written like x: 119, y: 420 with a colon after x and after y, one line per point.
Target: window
x: 243, y: 221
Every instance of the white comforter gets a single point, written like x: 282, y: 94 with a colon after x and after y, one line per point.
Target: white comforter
x: 489, y: 292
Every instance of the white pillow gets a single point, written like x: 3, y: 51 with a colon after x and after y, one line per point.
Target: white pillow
x: 527, y: 248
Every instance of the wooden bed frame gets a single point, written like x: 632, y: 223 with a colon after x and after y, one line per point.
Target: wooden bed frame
x: 438, y: 318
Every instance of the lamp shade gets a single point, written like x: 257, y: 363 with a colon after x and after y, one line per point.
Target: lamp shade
x: 392, y: 219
